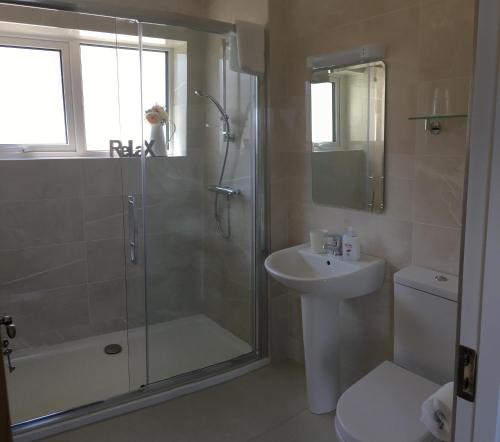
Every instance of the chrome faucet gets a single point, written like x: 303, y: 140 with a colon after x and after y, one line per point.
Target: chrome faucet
x: 335, y: 247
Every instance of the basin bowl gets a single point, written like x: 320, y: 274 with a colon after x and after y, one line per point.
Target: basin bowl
x: 310, y: 273
x: 323, y: 281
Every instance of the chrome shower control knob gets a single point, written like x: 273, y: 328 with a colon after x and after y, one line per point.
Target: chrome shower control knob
x: 6, y: 320
x: 11, y: 330
x: 10, y: 327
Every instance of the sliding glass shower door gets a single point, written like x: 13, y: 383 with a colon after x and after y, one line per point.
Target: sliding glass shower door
x: 65, y: 279
x: 199, y: 209
x: 127, y: 236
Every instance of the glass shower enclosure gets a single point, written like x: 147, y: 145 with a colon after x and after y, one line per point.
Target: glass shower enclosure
x: 130, y: 234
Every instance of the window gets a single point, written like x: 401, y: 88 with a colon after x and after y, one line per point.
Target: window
x: 324, y: 114
x: 73, y: 95
x: 111, y: 92
x: 35, y: 96
x: 33, y: 110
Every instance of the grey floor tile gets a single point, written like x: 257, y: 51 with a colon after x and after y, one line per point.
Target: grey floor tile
x: 306, y: 427
x: 272, y: 400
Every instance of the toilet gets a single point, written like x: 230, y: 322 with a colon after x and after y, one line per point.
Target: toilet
x: 384, y: 406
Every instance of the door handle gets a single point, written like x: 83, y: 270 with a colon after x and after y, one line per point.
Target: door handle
x: 132, y: 230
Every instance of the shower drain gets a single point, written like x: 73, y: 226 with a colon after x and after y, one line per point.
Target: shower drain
x: 113, y: 349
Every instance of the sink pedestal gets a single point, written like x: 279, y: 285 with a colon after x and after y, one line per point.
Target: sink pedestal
x: 320, y: 323
x: 323, y: 281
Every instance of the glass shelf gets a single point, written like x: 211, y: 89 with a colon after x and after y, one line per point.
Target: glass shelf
x: 437, y: 117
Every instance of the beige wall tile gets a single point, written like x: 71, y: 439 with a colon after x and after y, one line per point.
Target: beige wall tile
x: 445, y: 38
x: 301, y: 220
x: 191, y: 7
x: 278, y: 327
x: 399, y: 198
x: 424, y: 173
x: 278, y: 164
x: 295, y: 350
x: 380, y: 235
x: 288, y: 124
x: 371, y: 8
x: 400, y: 166
x: 294, y: 316
x: 436, y: 247
x: 439, y: 190
x: 300, y: 179
x: 278, y: 216
x: 255, y: 11
x: 452, y: 141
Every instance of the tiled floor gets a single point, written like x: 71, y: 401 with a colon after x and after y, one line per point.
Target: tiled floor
x: 268, y: 405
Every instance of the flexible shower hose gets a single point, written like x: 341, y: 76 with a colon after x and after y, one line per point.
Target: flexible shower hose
x: 227, y: 233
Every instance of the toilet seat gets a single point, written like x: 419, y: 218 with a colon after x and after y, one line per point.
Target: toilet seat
x: 384, y: 406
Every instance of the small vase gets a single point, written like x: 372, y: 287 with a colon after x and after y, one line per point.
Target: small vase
x: 159, y: 147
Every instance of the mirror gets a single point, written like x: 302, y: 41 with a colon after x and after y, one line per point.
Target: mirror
x: 347, y: 122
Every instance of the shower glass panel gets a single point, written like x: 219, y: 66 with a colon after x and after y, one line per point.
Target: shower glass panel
x: 64, y: 274
x: 198, y: 202
x: 127, y: 235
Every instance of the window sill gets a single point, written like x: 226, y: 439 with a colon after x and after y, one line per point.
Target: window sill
x: 19, y: 155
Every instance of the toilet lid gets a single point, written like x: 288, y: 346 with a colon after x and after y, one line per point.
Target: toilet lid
x: 384, y: 406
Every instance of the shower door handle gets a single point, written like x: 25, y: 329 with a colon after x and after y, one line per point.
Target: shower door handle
x: 132, y: 230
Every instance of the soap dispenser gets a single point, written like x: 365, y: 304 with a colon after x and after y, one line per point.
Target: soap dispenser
x: 350, y: 245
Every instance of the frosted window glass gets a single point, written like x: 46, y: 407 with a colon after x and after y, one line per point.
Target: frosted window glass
x: 112, y: 92
x: 31, y: 97
x: 322, y: 112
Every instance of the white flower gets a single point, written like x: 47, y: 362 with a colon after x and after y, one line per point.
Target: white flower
x: 157, y: 115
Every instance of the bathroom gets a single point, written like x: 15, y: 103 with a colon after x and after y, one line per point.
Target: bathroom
x: 170, y: 174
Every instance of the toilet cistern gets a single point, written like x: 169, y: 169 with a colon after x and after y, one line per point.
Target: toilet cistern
x: 322, y: 282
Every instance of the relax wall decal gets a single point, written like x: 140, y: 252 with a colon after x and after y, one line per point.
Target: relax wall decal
x: 128, y: 150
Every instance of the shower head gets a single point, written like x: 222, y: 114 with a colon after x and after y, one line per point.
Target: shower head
x: 225, y: 116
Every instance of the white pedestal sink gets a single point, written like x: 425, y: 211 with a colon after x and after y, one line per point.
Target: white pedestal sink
x: 322, y: 281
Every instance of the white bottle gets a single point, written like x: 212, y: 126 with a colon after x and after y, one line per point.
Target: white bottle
x: 351, y: 248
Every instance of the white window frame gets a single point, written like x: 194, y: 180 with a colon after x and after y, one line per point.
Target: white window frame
x: 78, y: 85
x: 73, y: 90
x: 66, y: 73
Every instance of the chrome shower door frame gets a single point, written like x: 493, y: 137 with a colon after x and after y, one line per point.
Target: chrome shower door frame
x: 160, y: 391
